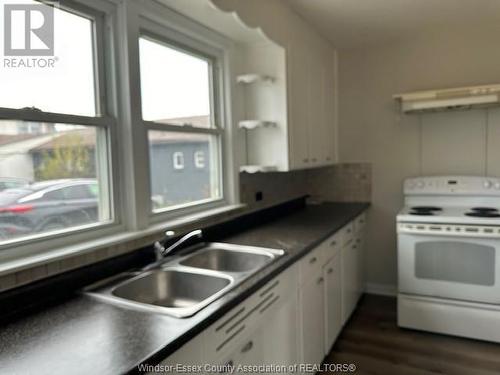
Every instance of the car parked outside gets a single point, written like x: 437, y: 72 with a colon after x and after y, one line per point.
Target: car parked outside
x: 47, y: 206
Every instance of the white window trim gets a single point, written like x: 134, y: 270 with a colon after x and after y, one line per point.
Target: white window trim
x: 128, y: 159
x: 104, y: 14
x: 163, y: 25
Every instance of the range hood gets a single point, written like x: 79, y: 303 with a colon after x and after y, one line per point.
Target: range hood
x: 461, y: 98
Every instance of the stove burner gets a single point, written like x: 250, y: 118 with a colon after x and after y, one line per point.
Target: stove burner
x: 483, y: 214
x: 422, y: 213
x: 426, y: 208
x: 484, y: 209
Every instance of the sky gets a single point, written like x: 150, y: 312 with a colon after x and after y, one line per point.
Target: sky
x: 66, y: 88
x: 174, y: 84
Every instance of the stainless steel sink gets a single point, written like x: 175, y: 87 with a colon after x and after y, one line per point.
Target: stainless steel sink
x: 226, y: 258
x: 176, y: 292
x: 184, y: 285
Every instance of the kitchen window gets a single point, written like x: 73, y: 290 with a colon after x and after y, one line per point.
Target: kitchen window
x: 54, y: 133
x: 179, y: 108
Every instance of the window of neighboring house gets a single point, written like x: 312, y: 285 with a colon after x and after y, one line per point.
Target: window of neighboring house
x: 178, y: 158
x: 53, y: 131
x: 199, y: 159
x: 178, y: 99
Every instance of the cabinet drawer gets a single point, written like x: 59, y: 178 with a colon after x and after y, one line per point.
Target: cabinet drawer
x: 237, y: 324
x: 360, y: 222
x: 310, y: 266
x: 276, y: 293
x: 230, y: 329
x: 332, y: 246
x: 347, y: 234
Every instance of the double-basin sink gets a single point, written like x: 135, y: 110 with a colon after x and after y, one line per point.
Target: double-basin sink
x: 185, y: 284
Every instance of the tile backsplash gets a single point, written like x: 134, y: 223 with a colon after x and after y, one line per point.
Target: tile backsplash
x: 338, y: 183
x: 341, y: 183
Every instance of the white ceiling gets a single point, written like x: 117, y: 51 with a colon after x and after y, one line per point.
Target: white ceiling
x: 355, y: 23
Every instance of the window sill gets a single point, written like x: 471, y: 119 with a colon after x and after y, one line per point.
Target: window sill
x: 116, y: 244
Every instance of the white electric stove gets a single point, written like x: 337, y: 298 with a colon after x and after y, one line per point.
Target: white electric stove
x: 449, y: 256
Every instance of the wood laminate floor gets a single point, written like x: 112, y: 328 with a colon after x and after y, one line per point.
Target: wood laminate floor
x: 377, y: 346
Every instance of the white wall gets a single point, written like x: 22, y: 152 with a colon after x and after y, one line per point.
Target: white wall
x: 372, y: 130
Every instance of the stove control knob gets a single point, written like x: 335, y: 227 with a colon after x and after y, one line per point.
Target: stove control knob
x: 420, y: 184
x: 487, y: 184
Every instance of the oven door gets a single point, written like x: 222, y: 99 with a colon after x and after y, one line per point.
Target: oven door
x: 464, y: 268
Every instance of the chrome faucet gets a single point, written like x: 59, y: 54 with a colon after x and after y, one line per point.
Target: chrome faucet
x: 162, y: 252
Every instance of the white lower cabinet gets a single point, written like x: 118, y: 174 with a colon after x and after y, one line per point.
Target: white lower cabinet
x: 333, y: 301
x: 312, y: 320
x: 349, y: 280
x: 279, y: 335
x: 261, y: 330
x: 191, y: 354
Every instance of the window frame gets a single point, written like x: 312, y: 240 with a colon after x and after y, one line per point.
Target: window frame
x: 118, y: 26
x: 164, y: 31
x: 103, y: 16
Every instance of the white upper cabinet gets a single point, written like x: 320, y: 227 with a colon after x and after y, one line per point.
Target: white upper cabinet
x: 283, y: 83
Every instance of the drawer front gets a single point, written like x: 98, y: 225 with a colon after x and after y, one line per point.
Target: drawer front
x: 347, y: 234
x: 332, y: 246
x: 231, y: 328
x: 310, y: 266
x: 237, y: 324
x: 360, y: 223
x: 276, y: 293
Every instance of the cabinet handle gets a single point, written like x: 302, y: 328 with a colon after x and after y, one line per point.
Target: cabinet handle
x: 305, y: 160
x: 313, y: 160
x: 354, y: 247
x: 330, y: 270
x: 333, y: 243
x: 247, y: 347
x: 313, y: 260
x: 320, y: 281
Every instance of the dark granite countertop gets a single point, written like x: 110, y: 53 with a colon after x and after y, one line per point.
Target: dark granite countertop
x: 85, y: 336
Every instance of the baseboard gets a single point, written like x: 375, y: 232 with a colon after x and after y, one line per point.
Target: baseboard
x: 381, y: 289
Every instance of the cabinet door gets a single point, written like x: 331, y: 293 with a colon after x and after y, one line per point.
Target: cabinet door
x: 360, y: 264
x: 190, y: 354
x: 349, y: 280
x: 315, y: 110
x: 297, y: 93
x: 312, y: 321
x: 279, y: 336
x: 333, y: 301
x: 329, y: 111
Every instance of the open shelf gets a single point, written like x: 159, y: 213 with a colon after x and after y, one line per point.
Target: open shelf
x: 252, y: 124
x: 258, y: 168
x: 253, y: 77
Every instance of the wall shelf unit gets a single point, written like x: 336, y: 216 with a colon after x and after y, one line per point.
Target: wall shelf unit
x: 284, y: 77
x: 254, y: 124
x: 254, y: 78
x: 258, y: 168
